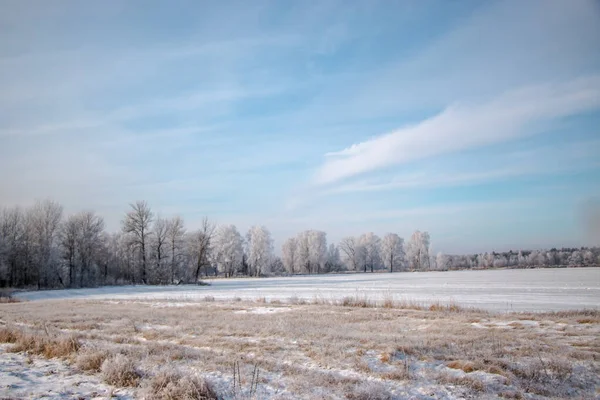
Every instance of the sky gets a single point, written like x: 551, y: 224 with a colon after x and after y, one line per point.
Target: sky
x: 477, y: 121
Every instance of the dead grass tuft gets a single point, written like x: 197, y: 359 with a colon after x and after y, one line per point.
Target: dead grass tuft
x: 399, y: 374
x: 465, y: 366
x: 368, y: 391
x: 356, y: 301
x: 8, y: 335
x: 120, y: 370
x: 466, y: 381
x: 91, y: 360
x: 173, y: 385
x: 588, y: 320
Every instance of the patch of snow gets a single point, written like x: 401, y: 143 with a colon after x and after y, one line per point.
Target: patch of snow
x: 34, y: 378
x: 264, y: 310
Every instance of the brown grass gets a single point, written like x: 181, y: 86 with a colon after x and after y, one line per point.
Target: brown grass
x: 300, y: 348
x: 91, y: 360
x: 39, y: 343
x: 8, y: 299
x: 174, y: 385
x: 466, y: 381
x: 120, y: 370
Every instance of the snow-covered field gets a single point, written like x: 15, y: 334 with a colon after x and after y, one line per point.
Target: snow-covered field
x: 497, y: 290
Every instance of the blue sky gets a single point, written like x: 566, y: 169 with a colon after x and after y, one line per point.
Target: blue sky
x: 478, y: 121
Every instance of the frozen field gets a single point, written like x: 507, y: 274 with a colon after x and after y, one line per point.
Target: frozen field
x: 498, y: 290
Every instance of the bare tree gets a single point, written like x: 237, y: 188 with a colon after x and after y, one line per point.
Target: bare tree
x: 370, y: 244
x: 228, y: 250
x: 12, y: 228
x: 160, y: 242
x: 89, y: 242
x: 137, y: 225
x: 289, y: 251
x: 45, y: 219
x: 418, y: 251
x: 303, y: 251
x: 392, y: 251
x: 318, y: 250
x: 201, y: 242
x: 350, y: 247
x: 333, y: 258
x: 260, y: 249
x: 69, y: 233
x: 175, y: 233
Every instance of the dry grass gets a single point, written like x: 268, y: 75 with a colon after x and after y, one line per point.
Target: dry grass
x: 466, y: 381
x: 120, y: 370
x: 174, y: 385
x: 368, y: 391
x: 39, y: 343
x: 465, y: 366
x: 329, y: 347
x: 91, y: 360
x: 8, y: 299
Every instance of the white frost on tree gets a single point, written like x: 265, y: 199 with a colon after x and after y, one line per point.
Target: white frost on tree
x: 442, y: 262
x: 137, y: 226
x: 311, y: 251
x: 175, y: 235
x: 259, y: 250
x: 333, y: 258
x: 392, y: 252
x: 351, y: 251
x: 289, y: 252
x: 417, y: 251
x: 370, y: 244
x: 228, y: 249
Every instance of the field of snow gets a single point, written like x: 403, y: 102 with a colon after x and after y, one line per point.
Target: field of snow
x: 497, y: 290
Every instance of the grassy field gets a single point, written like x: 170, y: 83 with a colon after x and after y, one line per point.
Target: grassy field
x: 352, y: 348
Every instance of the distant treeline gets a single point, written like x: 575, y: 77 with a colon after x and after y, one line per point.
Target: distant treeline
x: 40, y: 247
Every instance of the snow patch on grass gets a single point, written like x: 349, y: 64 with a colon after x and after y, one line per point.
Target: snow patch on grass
x: 22, y: 376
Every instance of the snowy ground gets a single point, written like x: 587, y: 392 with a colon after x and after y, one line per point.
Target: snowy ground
x: 34, y: 377
x: 308, y: 351
x: 497, y: 290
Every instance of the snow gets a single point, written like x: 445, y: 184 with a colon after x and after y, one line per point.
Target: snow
x: 264, y: 310
x: 34, y: 378
x: 496, y: 290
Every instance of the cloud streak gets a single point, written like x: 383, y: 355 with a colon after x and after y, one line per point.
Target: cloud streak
x: 464, y: 126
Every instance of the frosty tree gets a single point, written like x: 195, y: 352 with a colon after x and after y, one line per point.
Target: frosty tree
x: 137, y: 225
x: 175, y: 234
x: 392, y: 251
x: 200, y: 246
x: 228, y: 249
x: 289, y: 252
x: 351, y: 250
x: 259, y: 249
x: 370, y: 245
x: 418, y: 251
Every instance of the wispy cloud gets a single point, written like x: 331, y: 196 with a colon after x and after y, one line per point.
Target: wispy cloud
x: 575, y: 157
x: 463, y: 126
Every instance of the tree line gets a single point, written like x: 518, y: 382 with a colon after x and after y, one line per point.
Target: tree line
x: 43, y: 248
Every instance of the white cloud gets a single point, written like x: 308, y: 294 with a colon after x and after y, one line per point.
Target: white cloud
x: 463, y: 126
x: 578, y: 156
